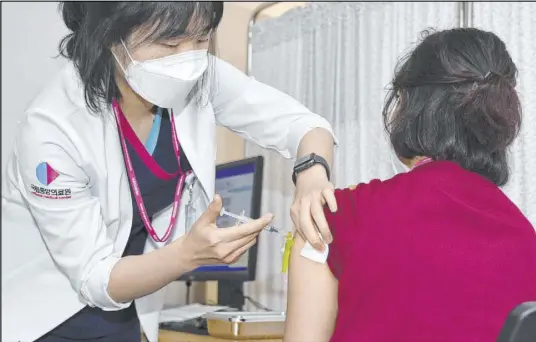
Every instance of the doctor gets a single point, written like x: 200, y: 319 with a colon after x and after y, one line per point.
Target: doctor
x: 109, y: 191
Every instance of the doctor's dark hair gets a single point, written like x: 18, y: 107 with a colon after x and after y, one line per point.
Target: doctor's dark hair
x: 453, y: 98
x: 97, y: 26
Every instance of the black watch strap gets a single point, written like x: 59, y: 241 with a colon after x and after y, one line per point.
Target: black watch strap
x: 307, y: 162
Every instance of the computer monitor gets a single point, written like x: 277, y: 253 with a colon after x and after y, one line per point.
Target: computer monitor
x: 239, y: 183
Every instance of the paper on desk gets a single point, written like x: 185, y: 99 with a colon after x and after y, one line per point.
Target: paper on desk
x: 186, y: 312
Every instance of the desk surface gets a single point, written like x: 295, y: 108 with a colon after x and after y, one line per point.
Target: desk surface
x: 173, y: 336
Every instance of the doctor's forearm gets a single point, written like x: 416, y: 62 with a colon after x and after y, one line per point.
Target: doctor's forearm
x: 139, y: 275
x: 318, y: 141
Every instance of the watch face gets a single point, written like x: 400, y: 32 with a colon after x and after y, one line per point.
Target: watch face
x: 302, y: 167
x: 304, y: 160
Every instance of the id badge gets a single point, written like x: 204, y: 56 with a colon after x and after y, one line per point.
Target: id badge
x: 190, y: 210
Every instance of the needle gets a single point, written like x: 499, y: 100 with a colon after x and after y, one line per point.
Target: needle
x: 245, y: 219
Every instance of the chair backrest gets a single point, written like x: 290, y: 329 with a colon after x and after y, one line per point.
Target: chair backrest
x: 520, y: 326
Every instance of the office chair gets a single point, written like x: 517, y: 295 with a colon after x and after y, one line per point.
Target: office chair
x: 520, y: 326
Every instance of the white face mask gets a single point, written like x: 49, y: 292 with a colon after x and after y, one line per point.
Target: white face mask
x: 167, y: 81
x: 398, y: 166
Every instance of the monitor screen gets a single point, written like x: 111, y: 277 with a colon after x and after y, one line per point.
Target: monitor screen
x: 239, y: 184
x: 235, y: 186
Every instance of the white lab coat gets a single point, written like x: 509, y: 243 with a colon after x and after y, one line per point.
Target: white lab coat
x: 57, y: 254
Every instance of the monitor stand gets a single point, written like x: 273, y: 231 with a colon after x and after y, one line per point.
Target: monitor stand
x: 231, y: 293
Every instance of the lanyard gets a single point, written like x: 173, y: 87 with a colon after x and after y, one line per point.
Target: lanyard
x: 134, y: 182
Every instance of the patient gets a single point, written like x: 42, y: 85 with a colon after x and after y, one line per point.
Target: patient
x: 439, y: 253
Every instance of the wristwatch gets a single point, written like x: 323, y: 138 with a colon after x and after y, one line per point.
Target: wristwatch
x: 307, y: 162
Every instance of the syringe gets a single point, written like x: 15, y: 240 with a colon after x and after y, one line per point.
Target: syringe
x: 244, y: 219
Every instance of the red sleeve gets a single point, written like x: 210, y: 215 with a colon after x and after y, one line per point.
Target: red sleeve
x: 344, y: 223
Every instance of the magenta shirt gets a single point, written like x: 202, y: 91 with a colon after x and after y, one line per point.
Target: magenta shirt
x: 438, y: 254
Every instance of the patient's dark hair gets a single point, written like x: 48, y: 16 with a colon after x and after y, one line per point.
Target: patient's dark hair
x: 97, y: 26
x: 454, y: 98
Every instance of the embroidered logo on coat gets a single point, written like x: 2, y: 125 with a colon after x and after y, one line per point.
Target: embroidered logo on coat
x: 46, y: 175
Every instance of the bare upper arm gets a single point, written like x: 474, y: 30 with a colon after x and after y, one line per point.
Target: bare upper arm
x: 312, y: 299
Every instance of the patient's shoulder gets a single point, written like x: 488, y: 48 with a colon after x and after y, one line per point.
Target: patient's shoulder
x: 359, y: 191
x: 353, y: 203
x: 352, y: 199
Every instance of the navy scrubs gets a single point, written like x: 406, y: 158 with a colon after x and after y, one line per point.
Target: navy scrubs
x: 94, y: 324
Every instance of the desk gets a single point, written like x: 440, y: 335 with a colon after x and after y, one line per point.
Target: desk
x: 173, y: 336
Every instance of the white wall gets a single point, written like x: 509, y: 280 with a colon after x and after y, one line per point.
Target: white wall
x: 31, y: 32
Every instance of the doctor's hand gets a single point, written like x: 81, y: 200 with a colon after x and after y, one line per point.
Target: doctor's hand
x: 313, y: 191
x: 207, y: 244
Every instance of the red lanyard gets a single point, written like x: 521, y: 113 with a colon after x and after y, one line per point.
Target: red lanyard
x: 136, y: 188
